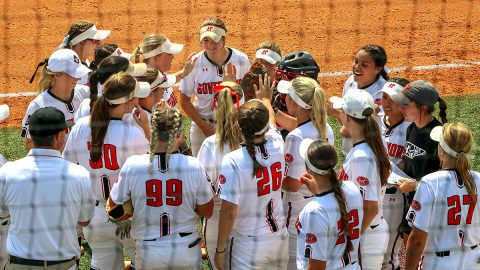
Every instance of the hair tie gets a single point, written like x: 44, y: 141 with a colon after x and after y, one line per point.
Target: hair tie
x: 64, y: 42
x: 42, y: 63
x: 218, y: 88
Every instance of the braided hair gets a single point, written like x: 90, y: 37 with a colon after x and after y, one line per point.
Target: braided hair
x: 165, y: 124
x: 252, y: 118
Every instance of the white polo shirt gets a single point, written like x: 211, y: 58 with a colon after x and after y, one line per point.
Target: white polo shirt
x: 45, y: 196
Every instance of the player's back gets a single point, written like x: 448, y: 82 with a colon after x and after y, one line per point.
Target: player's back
x: 121, y: 141
x: 164, y: 199
x: 450, y: 220
x: 319, y: 230
x: 258, y: 197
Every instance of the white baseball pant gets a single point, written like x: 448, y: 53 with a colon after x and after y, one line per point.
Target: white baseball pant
x: 211, y: 230
x: 373, y: 246
x: 196, y: 138
x: 3, y: 240
x: 393, y: 206
x: 466, y: 259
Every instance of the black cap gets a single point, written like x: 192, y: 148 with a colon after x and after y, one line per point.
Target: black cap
x: 47, y: 121
x: 420, y: 92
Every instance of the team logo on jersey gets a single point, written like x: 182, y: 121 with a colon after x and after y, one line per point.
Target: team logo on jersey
x: 412, y: 151
x: 411, y: 216
x: 310, y: 238
x: 395, y: 150
x: 288, y: 158
x: 221, y: 179
x: 415, y: 205
x: 362, y: 181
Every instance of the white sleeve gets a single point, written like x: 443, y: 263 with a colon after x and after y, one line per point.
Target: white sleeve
x: 207, y: 160
x: 120, y: 192
x: 32, y: 107
x: 3, y: 208
x: 187, y: 85
x: 87, y: 201
x: 294, y: 162
x: 83, y: 110
x: 330, y: 135
x: 139, y: 145
x: 420, y: 211
x: 229, y: 184
x: 244, y: 68
x: 204, y: 191
x: 71, y: 147
x: 364, y: 173
x: 315, y: 225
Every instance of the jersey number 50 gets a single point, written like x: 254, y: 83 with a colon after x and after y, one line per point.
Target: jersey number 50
x: 264, y: 175
x: 173, y: 192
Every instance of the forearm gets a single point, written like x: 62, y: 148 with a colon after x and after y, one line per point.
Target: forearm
x: 191, y: 111
x: 414, y: 250
x: 286, y: 121
x: 228, y: 214
x: 291, y: 184
x: 370, y: 210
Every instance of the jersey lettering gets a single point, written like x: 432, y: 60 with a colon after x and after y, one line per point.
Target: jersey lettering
x: 173, y: 192
x: 395, y: 150
x: 109, y: 158
x: 207, y: 87
x: 343, y: 176
x: 353, y: 226
x: 455, y: 207
x: 264, y: 175
x: 172, y: 100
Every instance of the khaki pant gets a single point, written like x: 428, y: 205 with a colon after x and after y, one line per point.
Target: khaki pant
x: 70, y: 265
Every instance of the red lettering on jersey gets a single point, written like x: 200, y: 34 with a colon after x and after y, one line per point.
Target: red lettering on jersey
x: 416, y: 205
x: 310, y: 238
x: 264, y: 175
x: 353, y: 226
x: 173, y: 192
x: 454, y: 215
x: 172, y: 100
x: 363, y: 181
x: 264, y: 52
x: 342, y: 176
x: 395, y: 150
x: 221, y: 179
x: 288, y: 158
x: 109, y: 156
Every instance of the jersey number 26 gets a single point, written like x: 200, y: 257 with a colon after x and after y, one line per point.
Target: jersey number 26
x: 264, y: 175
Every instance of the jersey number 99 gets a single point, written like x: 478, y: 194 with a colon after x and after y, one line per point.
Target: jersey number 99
x: 173, y: 192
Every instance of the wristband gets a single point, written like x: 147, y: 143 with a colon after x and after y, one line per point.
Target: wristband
x: 219, y: 252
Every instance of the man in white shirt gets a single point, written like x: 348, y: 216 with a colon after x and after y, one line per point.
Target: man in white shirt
x: 45, y: 197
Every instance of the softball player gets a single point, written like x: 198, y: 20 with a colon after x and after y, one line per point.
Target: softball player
x: 106, y: 68
x: 84, y: 38
x: 105, y: 50
x: 366, y: 165
x: 3, y: 229
x: 58, y: 88
x: 252, y: 224
x: 208, y: 72
x: 269, y: 54
x: 444, y: 211
x: 370, y: 75
x: 394, y: 132
x: 164, y: 223
x: 158, y: 52
x: 329, y: 225
x: 305, y: 101
x: 102, y: 143
x: 228, y: 99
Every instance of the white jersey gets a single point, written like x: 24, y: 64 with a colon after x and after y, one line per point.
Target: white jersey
x: 260, y: 210
x: 164, y: 200
x: 395, y: 138
x: 83, y: 109
x: 360, y: 167
x: 45, y: 196
x: 170, y: 97
x: 47, y: 99
x: 121, y: 142
x: 206, y: 75
x: 441, y: 207
x: 211, y: 158
x: 84, y: 80
x: 373, y: 90
x: 320, y: 235
x: 295, y: 164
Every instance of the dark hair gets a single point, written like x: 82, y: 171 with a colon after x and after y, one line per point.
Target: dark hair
x: 117, y: 86
x: 399, y: 80
x: 76, y: 29
x: 442, y: 113
x: 323, y: 156
x: 379, y: 56
x: 103, y: 51
x: 252, y: 117
x: 39, y: 141
x: 106, y: 68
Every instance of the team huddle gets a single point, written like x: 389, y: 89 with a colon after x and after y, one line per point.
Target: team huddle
x: 108, y: 163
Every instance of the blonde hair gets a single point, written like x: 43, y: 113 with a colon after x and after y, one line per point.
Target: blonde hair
x: 227, y: 129
x: 150, y: 76
x: 215, y: 22
x: 47, y: 79
x: 148, y: 44
x: 459, y: 137
x: 311, y: 93
x: 165, y: 124
x: 271, y: 45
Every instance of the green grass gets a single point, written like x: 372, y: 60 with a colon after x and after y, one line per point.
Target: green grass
x: 460, y: 109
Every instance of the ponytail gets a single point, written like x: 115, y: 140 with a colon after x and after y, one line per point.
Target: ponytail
x: 463, y: 166
x: 99, y: 121
x: 339, y: 196
x: 318, y: 113
x: 137, y: 55
x: 227, y: 130
x: 443, y: 110
x: 251, y: 152
x: 384, y: 74
x: 46, y: 80
x: 93, y: 81
x: 374, y: 140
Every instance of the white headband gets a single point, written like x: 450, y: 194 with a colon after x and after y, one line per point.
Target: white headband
x: 166, y: 47
x: 297, y: 99
x: 268, y: 55
x: 142, y: 90
x: 313, y: 168
x: 258, y: 133
x: 437, y: 135
x: 92, y: 33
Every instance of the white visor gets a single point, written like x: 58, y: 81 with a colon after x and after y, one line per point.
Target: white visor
x: 268, y: 55
x: 91, y: 33
x: 142, y: 90
x: 166, y: 47
x: 120, y: 52
x: 437, y: 135
x: 137, y: 69
x: 164, y: 80
x: 285, y: 87
x: 303, y: 153
x: 214, y: 32
x: 4, y: 112
x: 391, y: 88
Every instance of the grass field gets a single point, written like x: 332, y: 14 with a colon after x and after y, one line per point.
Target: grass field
x: 460, y: 109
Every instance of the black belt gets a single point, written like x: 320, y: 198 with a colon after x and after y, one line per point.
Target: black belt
x: 5, y: 223
x: 391, y: 190
x: 374, y: 226
x: 307, y: 197
x: 447, y: 252
x: 22, y: 261
x: 182, y: 234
